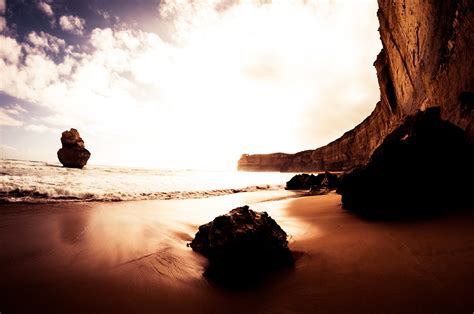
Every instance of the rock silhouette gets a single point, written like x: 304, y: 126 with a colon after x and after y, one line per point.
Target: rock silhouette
x: 302, y: 181
x: 317, y: 184
x: 242, y: 246
x: 425, y: 164
x: 73, y: 153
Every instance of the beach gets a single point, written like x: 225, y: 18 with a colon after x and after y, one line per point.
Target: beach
x: 132, y: 257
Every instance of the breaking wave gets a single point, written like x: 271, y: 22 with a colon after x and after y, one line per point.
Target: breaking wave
x: 40, y: 182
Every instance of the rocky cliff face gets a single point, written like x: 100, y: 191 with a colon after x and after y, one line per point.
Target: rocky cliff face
x: 426, y: 61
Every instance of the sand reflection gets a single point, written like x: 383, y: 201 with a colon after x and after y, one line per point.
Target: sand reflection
x: 137, y: 242
x: 154, y: 234
x: 132, y: 257
x: 72, y: 227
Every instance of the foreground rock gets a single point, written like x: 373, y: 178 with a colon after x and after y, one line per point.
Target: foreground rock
x: 426, y: 163
x: 73, y: 154
x: 242, y: 246
x: 317, y: 184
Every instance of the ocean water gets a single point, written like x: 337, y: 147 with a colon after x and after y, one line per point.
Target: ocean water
x: 38, y: 182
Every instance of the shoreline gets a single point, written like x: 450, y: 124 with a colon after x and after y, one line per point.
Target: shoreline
x: 30, y: 182
x: 132, y: 257
x: 280, y: 192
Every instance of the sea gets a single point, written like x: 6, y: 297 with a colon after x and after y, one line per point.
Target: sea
x: 42, y: 182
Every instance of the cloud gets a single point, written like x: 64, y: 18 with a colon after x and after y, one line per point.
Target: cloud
x: 247, y: 77
x: 28, y: 67
x: 14, y: 109
x: 9, y: 115
x: 3, y: 6
x: 10, y: 51
x: 7, y: 119
x: 72, y: 24
x: 40, y: 128
x: 46, y: 9
x: 43, y: 42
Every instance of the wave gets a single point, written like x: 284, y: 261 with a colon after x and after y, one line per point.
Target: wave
x: 39, y: 182
x: 56, y: 194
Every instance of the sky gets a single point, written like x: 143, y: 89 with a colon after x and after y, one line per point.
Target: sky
x: 183, y: 83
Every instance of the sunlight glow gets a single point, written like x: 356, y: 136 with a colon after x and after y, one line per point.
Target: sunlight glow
x: 249, y: 77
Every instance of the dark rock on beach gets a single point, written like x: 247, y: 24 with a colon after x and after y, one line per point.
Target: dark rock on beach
x: 73, y: 154
x: 242, y: 246
x: 302, y: 181
x: 426, y: 163
x: 329, y: 181
x: 317, y: 184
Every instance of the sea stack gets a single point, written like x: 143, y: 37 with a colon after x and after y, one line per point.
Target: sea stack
x: 73, y: 154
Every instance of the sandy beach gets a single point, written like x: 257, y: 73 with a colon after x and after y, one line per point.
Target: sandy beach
x: 132, y: 257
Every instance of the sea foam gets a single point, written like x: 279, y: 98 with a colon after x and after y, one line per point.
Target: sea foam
x: 37, y: 182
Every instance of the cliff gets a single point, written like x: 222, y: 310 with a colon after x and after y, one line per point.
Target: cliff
x: 426, y: 61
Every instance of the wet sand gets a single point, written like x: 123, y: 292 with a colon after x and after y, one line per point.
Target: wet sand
x: 132, y: 257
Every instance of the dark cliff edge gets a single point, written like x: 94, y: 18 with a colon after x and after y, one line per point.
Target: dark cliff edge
x: 426, y: 61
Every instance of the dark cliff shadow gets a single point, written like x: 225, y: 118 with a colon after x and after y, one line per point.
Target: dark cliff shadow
x: 409, y: 214
x: 423, y: 168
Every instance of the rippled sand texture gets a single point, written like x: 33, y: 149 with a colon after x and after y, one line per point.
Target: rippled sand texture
x: 132, y: 256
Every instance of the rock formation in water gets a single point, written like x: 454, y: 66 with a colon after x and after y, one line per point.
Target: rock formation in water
x: 426, y: 61
x: 424, y: 164
x: 242, y: 245
x: 73, y: 154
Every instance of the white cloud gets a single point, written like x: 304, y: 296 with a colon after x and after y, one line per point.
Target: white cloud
x: 9, y: 115
x: 72, y: 24
x: 44, y: 42
x: 10, y: 51
x: 8, y: 120
x: 3, y: 6
x: 46, y: 9
x: 40, y: 128
x: 285, y: 76
x: 14, y: 109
